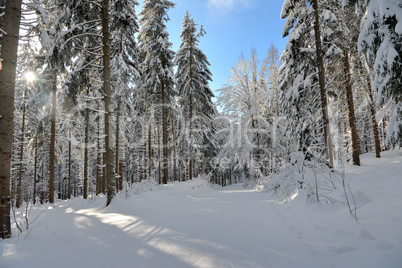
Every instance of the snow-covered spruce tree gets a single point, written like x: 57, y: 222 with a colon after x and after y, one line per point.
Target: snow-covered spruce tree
x: 24, y: 118
x: 304, y: 62
x: 381, y: 42
x: 81, y: 99
x: 83, y: 91
x: 298, y: 84
x: 24, y: 124
x: 107, y: 101
x: 195, y: 95
x: 157, y: 64
x: 124, y: 26
x: 339, y: 47
x: 348, y: 47
x: 55, y: 56
x: 89, y: 31
x: 361, y: 73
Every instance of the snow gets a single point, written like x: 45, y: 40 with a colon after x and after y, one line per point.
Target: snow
x: 194, y: 224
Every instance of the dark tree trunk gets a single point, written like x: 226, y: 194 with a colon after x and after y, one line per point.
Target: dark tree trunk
x: 159, y: 156
x: 140, y: 164
x: 351, y: 108
x: 164, y: 136
x: 19, y: 186
x: 98, y: 159
x: 69, y: 168
x: 374, y: 122
x: 35, y: 170
x: 118, y: 186
x: 52, y: 140
x: 86, y: 149
x: 191, y: 116
x: 174, y: 155
x: 149, y: 153
x: 107, y: 99
x: 121, y: 175
x: 9, y: 50
x: 42, y: 190
x: 321, y: 75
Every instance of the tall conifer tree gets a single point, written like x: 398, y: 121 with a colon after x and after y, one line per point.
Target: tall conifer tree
x: 157, y: 64
x: 192, y: 78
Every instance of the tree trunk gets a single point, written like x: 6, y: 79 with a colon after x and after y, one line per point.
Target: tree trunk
x: 7, y: 86
x: 174, y: 155
x: 86, y: 148
x: 98, y: 159
x: 164, y: 136
x: 191, y: 116
x: 321, y: 75
x: 140, y: 164
x: 121, y: 175
x: 204, y: 164
x: 352, y: 117
x: 42, y: 190
x: 117, y: 146
x: 52, y: 140
x: 374, y: 122
x: 19, y: 186
x: 69, y: 168
x: 149, y: 153
x: 35, y: 170
x: 190, y: 168
x: 107, y: 99
x: 159, y: 156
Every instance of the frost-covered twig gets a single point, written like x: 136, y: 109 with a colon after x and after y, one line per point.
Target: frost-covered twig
x: 353, y: 211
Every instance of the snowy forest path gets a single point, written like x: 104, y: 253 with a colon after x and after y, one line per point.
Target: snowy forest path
x: 221, y: 227
x: 173, y: 226
x: 190, y: 224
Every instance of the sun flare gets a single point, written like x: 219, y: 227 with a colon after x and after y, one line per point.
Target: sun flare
x: 30, y: 76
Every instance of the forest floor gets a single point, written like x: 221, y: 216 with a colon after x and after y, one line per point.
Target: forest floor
x: 193, y: 224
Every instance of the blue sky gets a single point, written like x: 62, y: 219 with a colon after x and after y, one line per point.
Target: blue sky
x: 233, y: 27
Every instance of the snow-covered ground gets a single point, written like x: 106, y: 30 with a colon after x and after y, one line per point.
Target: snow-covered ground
x: 194, y: 225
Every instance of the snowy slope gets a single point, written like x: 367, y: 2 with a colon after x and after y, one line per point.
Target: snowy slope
x: 194, y: 225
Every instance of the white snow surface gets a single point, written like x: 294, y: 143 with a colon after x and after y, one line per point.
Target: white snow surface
x: 194, y: 224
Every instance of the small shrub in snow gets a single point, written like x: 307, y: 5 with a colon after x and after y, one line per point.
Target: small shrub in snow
x: 140, y: 187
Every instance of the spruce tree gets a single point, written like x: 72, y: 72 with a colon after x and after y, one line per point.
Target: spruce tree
x: 193, y: 76
x: 381, y: 42
x: 304, y: 69
x: 157, y: 79
x: 124, y: 68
